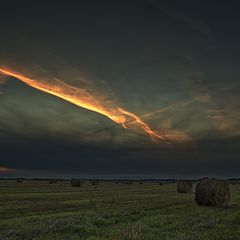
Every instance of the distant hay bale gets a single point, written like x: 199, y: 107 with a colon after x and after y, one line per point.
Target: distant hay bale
x: 160, y: 183
x: 94, y: 182
x: 53, y: 181
x: 127, y: 182
x: 76, y: 183
x: 20, y: 180
x: 233, y: 182
x: 202, y: 178
x: 212, y: 192
x: 184, y: 186
x: 140, y: 182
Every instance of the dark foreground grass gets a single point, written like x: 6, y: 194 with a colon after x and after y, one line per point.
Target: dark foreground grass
x: 42, y: 211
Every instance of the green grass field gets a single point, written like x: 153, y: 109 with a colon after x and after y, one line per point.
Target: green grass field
x: 38, y: 210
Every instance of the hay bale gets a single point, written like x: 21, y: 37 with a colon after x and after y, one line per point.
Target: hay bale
x: 94, y: 182
x: 76, y: 183
x: 212, y: 192
x: 127, y: 182
x: 20, y: 180
x: 184, y: 186
x: 160, y: 183
x: 53, y: 181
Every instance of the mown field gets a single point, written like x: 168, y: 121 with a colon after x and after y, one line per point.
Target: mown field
x: 42, y: 211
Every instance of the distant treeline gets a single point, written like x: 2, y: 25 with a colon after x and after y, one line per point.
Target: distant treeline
x: 116, y: 180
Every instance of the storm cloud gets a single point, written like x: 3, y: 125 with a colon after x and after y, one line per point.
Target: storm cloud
x: 173, y: 64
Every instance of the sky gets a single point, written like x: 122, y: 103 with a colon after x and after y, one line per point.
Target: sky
x: 139, y: 88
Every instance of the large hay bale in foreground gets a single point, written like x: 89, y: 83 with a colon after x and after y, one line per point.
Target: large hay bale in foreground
x: 76, y: 183
x: 212, y: 192
x: 184, y: 186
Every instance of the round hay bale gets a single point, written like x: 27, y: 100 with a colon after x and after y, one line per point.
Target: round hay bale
x: 52, y: 181
x: 127, y: 182
x: 76, y: 183
x: 160, y: 183
x: 94, y: 182
x: 20, y: 180
x: 184, y: 186
x: 212, y: 192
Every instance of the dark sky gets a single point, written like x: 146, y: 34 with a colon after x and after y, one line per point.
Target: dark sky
x: 178, y: 60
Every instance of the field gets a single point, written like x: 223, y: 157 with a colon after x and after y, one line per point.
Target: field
x: 42, y: 211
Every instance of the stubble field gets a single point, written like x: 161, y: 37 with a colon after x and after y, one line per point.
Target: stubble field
x: 37, y: 210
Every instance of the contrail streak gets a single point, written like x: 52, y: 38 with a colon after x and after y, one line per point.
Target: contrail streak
x: 83, y: 98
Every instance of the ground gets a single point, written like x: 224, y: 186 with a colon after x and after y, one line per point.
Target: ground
x: 37, y: 210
